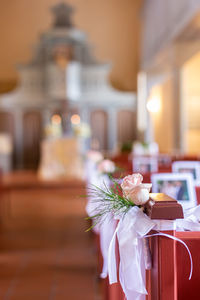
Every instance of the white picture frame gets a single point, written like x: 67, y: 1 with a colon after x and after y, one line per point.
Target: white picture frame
x: 145, y: 164
x: 192, y: 167
x: 179, y: 186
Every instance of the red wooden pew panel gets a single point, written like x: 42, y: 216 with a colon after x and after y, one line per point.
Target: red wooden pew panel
x: 197, y: 188
x: 188, y: 289
x: 168, y: 279
x: 115, y: 290
x: 161, y: 283
x: 171, y: 268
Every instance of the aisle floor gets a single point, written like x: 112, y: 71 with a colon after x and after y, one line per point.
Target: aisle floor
x: 45, y: 253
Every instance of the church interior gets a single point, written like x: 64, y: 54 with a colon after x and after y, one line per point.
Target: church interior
x: 99, y: 150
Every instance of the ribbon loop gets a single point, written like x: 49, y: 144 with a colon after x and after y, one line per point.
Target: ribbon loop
x: 177, y: 240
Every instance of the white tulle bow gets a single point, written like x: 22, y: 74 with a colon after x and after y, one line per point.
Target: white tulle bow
x: 130, y: 231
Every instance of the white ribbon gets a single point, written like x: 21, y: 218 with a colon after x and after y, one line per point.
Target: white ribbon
x: 106, y: 231
x: 107, y: 228
x: 178, y: 240
x: 191, y: 220
x: 133, y: 225
x: 130, y: 230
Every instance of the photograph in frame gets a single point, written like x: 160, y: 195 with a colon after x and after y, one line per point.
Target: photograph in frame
x: 192, y: 167
x: 164, y: 160
x: 145, y: 164
x: 176, y: 185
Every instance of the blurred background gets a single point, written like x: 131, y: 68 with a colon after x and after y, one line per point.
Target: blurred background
x: 68, y: 59
x: 125, y: 72
x: 117, y: 77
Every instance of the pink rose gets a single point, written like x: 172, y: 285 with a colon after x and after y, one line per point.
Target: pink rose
x: 135, y: 190
x: 106, y: 166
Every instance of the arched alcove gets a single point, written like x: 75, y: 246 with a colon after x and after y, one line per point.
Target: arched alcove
x: 32, y: 127
x: 126, y: 126
x: 99, y: 126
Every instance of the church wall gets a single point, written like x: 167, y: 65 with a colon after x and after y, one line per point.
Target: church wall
x: 162, y: 22
x: 170, y: 36
x: 191, y: 96
x: 112, y: 27
x: 180, y: 108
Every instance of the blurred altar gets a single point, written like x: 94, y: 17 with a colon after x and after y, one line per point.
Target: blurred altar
x: 64, y: 89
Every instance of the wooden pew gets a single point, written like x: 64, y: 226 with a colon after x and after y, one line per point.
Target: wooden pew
x: 171, y: 267
x: 169, y: 277
x: 161, y: 280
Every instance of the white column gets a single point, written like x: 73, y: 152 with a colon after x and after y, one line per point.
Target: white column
x: 85, y: 117
x: 19, y: 134
x: 142, y: 114
x: 112, y: 129
x: 46, y: 117
x: 178, y: 121
x: 149, y: 132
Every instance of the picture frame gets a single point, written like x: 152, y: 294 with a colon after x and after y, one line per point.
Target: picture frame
x: 145, y: 164
x: 179, y: 186
x: 164, y: 160
x: 192, y: 167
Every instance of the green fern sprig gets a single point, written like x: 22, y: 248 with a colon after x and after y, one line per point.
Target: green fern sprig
x: 108, y: 200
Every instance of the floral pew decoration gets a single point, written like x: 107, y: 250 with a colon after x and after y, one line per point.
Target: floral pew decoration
x: 104, y: 169
x: 98, y: 175
x: 92, y: 159
x: 113, y: 204
x: 126, y: 203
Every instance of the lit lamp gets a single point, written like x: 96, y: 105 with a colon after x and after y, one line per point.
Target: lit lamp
x: 80, y: 129
x: 56, y: 125
x: 76, y: 124
x: 6, y: 149
x: 75, y: 119
x: 153, y: 105
x: 82, y: 132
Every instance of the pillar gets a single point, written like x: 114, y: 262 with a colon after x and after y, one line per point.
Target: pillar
x: 178, y: 118
x: 19, y: 133
x: 112, y: 129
